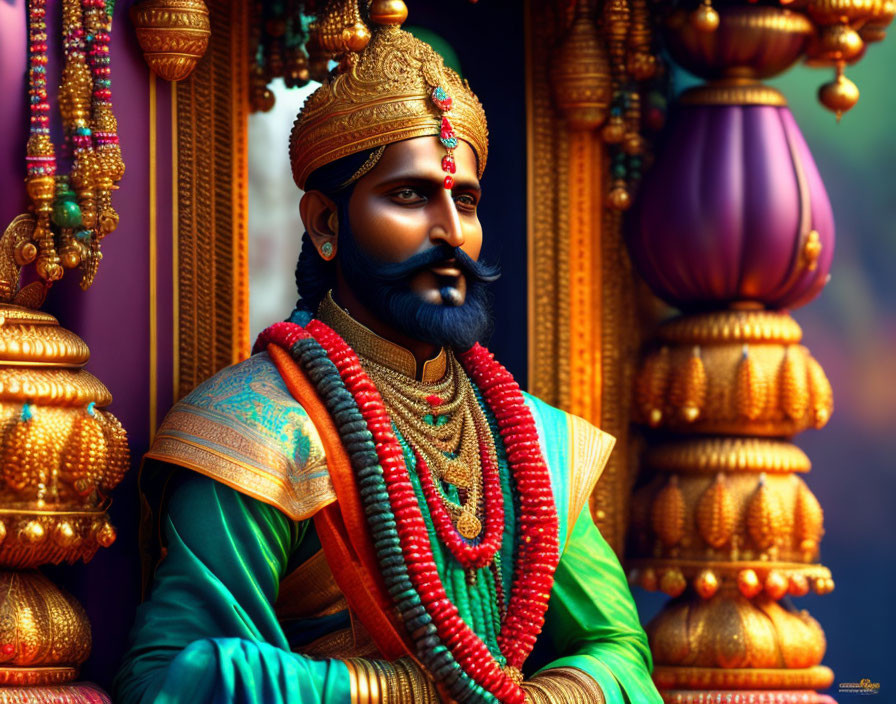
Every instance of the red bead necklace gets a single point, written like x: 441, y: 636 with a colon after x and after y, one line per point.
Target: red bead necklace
x: 538, y: 549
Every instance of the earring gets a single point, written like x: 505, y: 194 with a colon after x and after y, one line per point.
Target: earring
x: 333, y: 223
x: 327, y: 251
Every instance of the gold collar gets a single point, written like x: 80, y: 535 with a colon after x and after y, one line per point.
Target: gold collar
x: 366, y: 343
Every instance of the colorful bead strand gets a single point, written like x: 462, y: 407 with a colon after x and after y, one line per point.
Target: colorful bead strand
x: 397, y: 525
x: 458, y: 638
x: 356, y: 435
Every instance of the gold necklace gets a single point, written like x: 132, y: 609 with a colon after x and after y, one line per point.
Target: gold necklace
x: 444, y: 423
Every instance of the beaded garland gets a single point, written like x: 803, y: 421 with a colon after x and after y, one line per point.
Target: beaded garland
x: 451, y: 651
x: 83, y: 216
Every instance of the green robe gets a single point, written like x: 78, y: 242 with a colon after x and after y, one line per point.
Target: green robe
x: 208, y: 631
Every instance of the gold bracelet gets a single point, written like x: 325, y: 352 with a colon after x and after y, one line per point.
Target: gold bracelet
x: 591, y: 690
x: 362, y: 675
x: 382, y: 681
x: 352, y: 681
x: 567, y: 685
x: 372, y: 682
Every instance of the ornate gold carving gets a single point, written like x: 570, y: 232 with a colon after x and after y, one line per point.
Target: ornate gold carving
x: 750, y: 41
x: 384, y: 96
x: 716, y: 514
x: 816, y: 677
x: 667, y: 515
x: 740, y: 380
x: 651, y: 385
x: 585, y: 156
x: 581, y: 344
x: 44, y: 692
x: 698, y: 517
x: 729, y: 326
x: 808, y: 518
x: 212, y: 191
x: 728, y: 454
x: 59, y: 387
x: 59, y: 453
x: 765, y: 519
x: 580, y: 73
x: 688, y: 386
x: 731, y: 631
x: 41, y: 626
x: 173, y: 35
x: 732, y: 94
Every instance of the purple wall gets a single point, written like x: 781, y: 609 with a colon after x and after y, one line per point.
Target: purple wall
x: 113, y: 317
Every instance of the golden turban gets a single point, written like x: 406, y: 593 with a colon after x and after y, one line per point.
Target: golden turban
x: 385, y: 96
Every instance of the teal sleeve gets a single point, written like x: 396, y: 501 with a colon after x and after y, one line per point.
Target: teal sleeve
x: 592, y: 620
x: 208, y: 632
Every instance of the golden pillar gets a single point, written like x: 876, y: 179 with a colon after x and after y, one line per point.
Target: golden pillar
x: 61, y: 454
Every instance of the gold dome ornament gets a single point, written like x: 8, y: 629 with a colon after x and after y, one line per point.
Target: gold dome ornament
x: 173, y: 34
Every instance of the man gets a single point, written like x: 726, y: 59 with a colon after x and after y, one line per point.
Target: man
x: 376, y: 513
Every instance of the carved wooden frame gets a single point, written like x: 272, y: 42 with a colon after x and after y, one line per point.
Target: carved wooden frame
x: 582, y: 338
x: 211, y: 233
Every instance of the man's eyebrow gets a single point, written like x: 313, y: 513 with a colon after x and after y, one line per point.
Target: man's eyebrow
x: 416, y: 179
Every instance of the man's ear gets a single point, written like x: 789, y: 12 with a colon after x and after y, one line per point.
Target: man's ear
x: 319, y: 215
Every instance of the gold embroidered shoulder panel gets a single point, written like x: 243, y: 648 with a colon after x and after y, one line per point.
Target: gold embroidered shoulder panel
x: 243, y: 428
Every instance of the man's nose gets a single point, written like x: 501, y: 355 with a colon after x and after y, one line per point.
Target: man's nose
x: 447, y: 227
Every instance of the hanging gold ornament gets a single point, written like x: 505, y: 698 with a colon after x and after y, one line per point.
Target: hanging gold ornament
x: 173, y: 35
x: 705, y: 18
x: 839, y: 95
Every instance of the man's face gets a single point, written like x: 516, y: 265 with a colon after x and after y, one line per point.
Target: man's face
x: 410, y: 248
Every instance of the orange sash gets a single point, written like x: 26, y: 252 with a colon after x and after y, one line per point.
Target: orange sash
x: 342, y: 526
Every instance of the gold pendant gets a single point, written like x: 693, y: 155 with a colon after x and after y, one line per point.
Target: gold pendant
x: 456, y: 473
x: 468, y: 525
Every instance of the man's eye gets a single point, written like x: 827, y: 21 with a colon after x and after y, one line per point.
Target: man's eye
x: 466, y: 200
x: 407, y: 195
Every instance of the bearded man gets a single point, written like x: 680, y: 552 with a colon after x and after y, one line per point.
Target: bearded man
x: 369, y: 509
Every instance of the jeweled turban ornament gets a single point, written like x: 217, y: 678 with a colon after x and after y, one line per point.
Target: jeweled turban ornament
x: 397, y: 88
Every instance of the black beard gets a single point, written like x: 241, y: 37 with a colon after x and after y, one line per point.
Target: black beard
x: 385, y: 290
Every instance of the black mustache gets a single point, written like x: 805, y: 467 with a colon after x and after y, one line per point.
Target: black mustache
x: 441, y: 254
